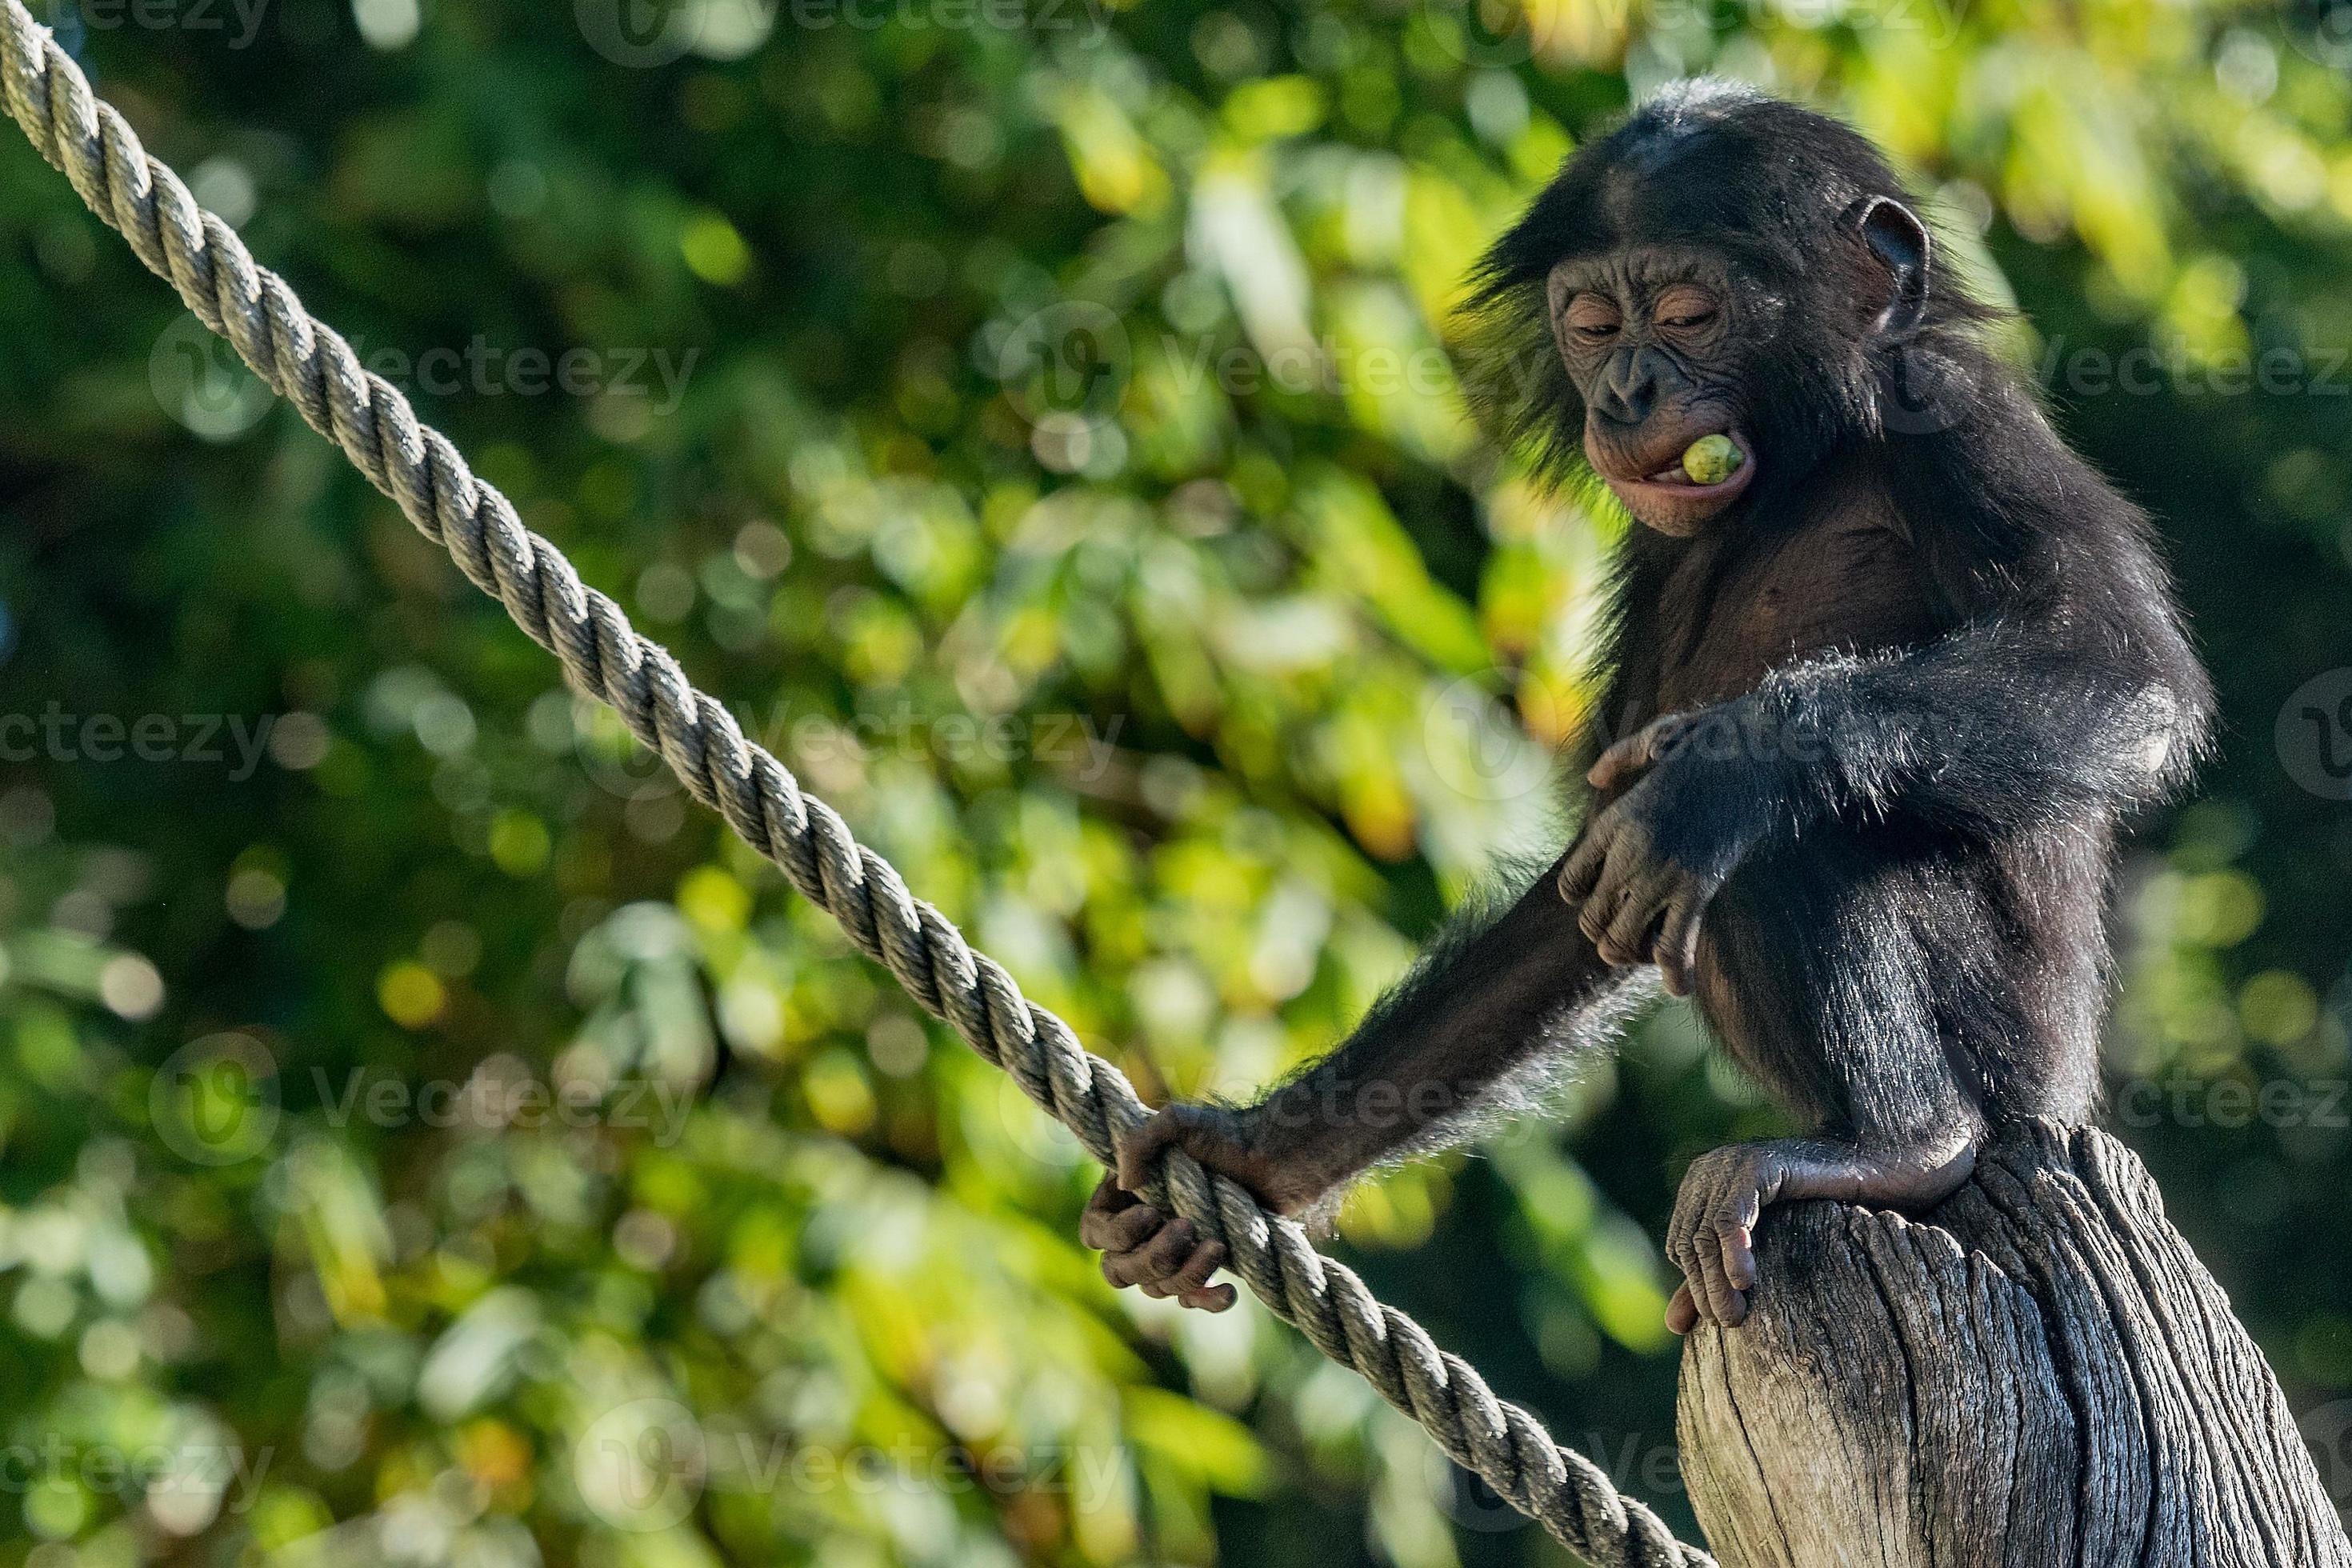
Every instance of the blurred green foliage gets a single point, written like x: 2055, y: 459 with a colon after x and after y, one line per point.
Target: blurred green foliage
x: 425, y: 1138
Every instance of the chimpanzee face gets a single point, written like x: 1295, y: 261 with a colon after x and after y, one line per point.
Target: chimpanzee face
x: 1651, y: 337
x: 1732, y: 287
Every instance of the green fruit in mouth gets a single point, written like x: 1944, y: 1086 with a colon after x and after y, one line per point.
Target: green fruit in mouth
x: 1712, y: 459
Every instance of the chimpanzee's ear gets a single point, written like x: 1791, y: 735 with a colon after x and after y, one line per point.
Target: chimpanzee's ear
x: 1899, y: 242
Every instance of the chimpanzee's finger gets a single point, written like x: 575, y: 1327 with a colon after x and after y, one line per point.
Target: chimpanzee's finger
x: 1676, y: 952
x: 1583, y: 866
x: 1206, y: 1259
x: 1724, y: 1304
x: 1681, y: 1250
x: 1740, y: 1256
x: 1115, y: 1220
x: 1625, y: 758
x: 1624, y: 863
x: 1682, y: 1312
x: 1626, y: 941
x: 1636, y: 752
x: 1600, y: 900
x: 1189, y: 1285
x: 1153, y: 1262
x: 1110, y: 1197
x: 1735, y: 1220
x: 1140, y: 1150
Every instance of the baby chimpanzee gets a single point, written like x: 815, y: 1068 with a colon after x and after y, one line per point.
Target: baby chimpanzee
x: 1889, y: 664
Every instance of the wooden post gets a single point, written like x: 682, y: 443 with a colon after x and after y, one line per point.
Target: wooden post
x: 2037, y: 1374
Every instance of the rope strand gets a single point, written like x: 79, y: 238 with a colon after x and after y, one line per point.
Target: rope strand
x: 312, y: 367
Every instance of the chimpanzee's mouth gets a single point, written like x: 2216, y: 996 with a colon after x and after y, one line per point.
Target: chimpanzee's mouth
x: 1674, y: 486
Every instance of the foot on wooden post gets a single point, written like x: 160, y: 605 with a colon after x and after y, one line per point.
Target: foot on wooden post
x: 2037, y: 1371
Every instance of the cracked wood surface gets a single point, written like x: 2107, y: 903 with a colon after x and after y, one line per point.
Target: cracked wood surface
x: 2038, y: 1373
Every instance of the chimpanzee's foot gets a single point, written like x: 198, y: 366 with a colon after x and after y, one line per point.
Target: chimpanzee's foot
x: 1726, y: 1191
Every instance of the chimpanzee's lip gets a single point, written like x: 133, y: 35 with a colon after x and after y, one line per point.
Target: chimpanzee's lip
x: 1672, y: 485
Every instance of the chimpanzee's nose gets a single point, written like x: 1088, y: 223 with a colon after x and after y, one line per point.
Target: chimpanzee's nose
x: 1629, y: 385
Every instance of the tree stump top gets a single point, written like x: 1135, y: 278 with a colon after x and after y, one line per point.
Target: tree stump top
x: 2036, y: 1373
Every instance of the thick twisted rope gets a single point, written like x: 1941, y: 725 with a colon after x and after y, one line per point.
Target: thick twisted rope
x: 308, y: 364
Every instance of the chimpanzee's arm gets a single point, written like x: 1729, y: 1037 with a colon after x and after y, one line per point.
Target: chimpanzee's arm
x: 1494, y: 1002
x: 2073, y: 690
x: 2070, y: 692
x: 2073, y: 687
x: 1999, y: 726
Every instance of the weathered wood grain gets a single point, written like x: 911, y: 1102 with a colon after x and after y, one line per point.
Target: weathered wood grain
x: 2038, y: 1374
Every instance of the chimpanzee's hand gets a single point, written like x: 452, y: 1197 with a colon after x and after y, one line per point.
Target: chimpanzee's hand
x: 1144, y: 1248
x: 1654, y: 859
x: 1223, y: 1139
x: 1639, y: 906
x: 1638, y: 750
x: 1159, y: 1252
